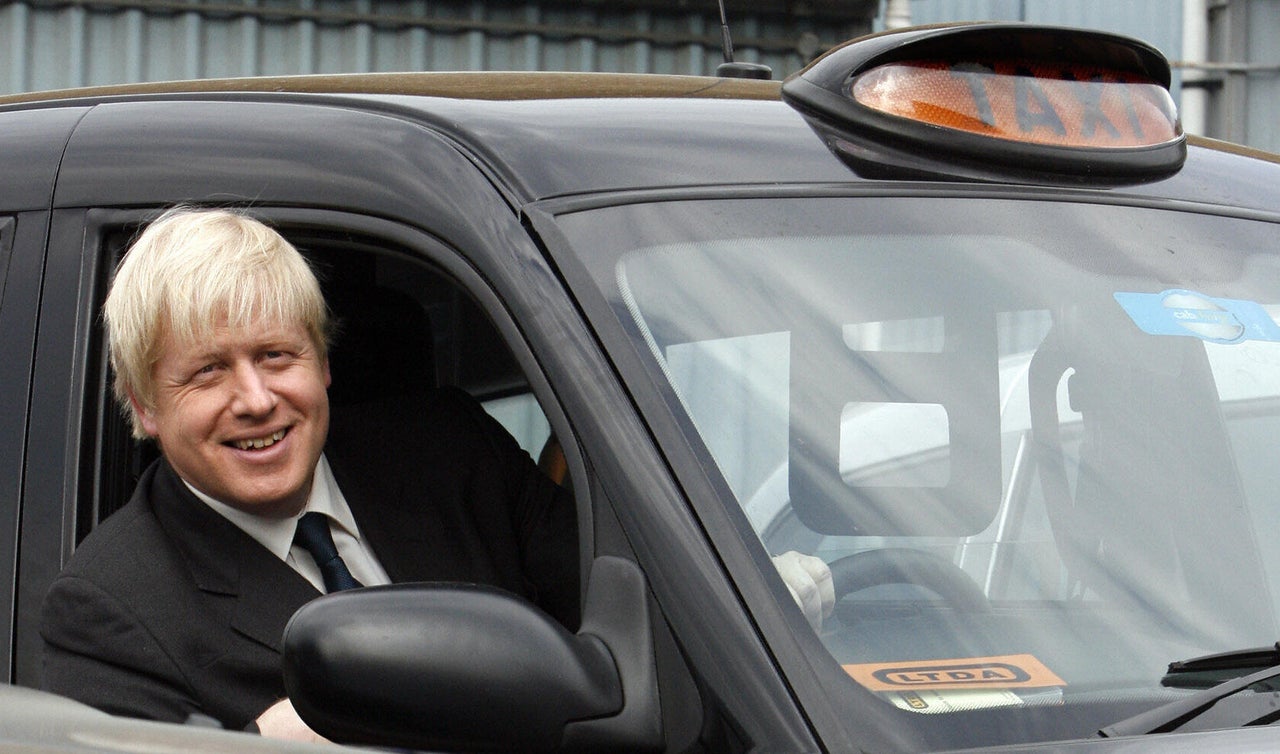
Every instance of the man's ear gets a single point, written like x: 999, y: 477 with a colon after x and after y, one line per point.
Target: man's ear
x: 146, y: 416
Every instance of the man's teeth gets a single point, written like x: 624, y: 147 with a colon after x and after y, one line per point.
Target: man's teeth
x: 261, y: 442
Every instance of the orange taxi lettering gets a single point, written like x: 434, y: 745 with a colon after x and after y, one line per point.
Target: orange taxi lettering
x: 1132, y: 111
x: 1093, y: 117
x: 972, y: 74
x: 1032, y: 105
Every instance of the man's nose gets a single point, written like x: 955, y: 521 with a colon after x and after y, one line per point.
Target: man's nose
x: 253, y: 394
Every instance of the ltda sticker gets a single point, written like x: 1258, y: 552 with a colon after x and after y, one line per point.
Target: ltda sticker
x: 1192, y: 314
x: 1005, y: 672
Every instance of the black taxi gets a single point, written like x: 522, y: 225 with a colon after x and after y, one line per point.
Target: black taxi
x: 958, y: 310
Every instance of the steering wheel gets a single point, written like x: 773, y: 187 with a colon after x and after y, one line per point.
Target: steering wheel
x: 900, y: 565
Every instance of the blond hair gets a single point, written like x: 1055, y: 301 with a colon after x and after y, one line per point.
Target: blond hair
x: 192, y: 270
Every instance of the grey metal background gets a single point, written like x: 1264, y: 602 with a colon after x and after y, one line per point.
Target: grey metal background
x: 52, y: 44
x: 1157, y: 22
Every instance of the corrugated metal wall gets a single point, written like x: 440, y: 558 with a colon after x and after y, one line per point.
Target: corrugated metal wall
x: 53, y: 45
x: 1246, y: 101
x: 1157, y: 22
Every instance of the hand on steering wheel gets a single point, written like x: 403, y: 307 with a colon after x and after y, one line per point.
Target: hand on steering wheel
x: 809, y: 581
x: 900, y: 565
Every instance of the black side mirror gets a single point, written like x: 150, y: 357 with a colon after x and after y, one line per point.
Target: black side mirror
x: 454, y: 667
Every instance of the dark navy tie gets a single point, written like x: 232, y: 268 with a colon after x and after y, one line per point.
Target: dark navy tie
x: 313, y: 535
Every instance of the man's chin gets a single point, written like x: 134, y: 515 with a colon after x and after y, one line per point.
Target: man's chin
x: 271, y: 505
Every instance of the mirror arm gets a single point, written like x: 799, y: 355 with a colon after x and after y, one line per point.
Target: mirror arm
x: 617, y: 612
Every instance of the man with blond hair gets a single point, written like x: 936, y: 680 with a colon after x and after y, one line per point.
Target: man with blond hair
x: 175, y: 606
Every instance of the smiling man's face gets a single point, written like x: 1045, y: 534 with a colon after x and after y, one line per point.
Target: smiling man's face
x: 243, y: 416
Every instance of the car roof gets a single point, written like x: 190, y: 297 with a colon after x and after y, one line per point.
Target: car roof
x: 549, y: 134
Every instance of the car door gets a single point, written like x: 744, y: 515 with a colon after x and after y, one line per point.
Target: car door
x: 380, y: 199
x: 31, y: 143
x: 125, y: 163
x: 374, y: 201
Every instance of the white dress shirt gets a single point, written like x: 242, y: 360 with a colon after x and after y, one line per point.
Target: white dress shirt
x: 277, y: 534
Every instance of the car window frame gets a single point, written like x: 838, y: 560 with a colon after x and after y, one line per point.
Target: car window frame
x: 73, y: 401
x: 22, y: 269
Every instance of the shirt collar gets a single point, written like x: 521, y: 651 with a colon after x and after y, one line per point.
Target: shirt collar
x: 276, y: 534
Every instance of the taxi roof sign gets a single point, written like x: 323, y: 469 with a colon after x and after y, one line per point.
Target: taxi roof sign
x: 1028, y: 101
x: 996, y: 101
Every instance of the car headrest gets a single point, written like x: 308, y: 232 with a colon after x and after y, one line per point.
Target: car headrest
x: 383, y: 346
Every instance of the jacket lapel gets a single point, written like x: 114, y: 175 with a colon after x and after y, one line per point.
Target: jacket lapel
x: 223, y: 560
x: 267, y: 602
x: 394, y: 532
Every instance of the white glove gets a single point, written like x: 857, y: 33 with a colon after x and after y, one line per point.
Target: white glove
x: 809, y: 581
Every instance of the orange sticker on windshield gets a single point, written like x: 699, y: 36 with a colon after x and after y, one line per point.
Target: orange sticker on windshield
x: 1004, y: 672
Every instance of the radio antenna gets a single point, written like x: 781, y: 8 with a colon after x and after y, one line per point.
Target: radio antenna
x: 725, y: 40
x: 731, y: 70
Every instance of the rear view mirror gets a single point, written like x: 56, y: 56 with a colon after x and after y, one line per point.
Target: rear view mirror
x: 895, y: 443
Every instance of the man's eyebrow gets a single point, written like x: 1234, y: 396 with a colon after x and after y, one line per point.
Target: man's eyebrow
x: 190, y: 362
x: 188, y: 353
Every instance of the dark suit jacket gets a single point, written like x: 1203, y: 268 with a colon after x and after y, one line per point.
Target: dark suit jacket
x: 168, y: 609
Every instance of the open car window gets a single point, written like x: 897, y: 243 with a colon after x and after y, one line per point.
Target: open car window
x: 1033, y: 440
x: 401, y: 327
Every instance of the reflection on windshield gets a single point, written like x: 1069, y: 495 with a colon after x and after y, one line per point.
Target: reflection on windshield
x: 1040, y: 455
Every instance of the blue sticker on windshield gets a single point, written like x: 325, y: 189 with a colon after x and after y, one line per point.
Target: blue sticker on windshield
x: 1218, y: 320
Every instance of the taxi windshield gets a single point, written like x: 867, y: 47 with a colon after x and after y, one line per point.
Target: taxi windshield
x: 1034, y: 440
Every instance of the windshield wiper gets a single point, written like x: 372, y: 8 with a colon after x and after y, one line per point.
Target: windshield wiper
x: 1210, y: 670
x: 1169, y: 717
